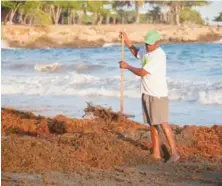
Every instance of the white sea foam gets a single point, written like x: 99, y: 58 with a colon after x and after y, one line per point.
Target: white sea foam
x: 219, y: 41
x: 88, y: 85
x: 201, y: 91
x: 83, y: 68
x: 210, y: 97
x: 4, y: 44
x: 111, y: 44
x: 55, y: 67
x: 203, y: 97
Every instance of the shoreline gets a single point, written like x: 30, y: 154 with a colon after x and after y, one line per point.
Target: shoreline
x: 81, y: 36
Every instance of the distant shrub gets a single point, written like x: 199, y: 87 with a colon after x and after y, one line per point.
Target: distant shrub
x: 86, y: 19
x: 188, y: 15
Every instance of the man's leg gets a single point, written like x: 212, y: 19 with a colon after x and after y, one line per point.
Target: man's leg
x: 169, y: 135
x: 155, y: 142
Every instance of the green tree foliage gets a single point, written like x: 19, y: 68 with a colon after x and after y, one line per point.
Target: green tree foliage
x: 153, y: 16
x: 175, y: 8
x: 188, y: 15
x: 143, y: 18
x: 8, y: 4
x: 131, y: 16
x: 219, y: 18
x: 120, y: 4
x: 32, y: 12
x: 117, y: 6
x: 136, y: 3
x: 12, y: 7
x: 94, y: 12
x: 98, y: 10
x: 70, y: 11
x: 56, y: 8
x: 86, y: 19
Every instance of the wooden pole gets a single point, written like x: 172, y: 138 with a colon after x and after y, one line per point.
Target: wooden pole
x: 122, y: 79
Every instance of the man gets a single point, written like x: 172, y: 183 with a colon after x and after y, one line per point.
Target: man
x: 153, y: 88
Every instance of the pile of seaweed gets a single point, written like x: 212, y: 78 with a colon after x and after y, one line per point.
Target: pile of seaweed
x: 106, y: 114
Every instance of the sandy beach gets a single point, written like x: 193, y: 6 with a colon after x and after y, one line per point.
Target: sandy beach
x: 78, y: 36
x: 106, y: 150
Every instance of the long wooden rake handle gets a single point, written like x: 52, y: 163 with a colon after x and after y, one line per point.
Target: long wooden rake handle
x: 122, y: 79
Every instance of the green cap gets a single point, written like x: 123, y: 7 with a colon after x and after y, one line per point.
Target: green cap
x: 152, y: 37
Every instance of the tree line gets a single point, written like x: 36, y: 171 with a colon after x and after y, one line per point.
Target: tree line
x: 219, y: 18
x: 99, y: 12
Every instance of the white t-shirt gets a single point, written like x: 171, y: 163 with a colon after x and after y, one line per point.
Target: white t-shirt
x: 154, y: 83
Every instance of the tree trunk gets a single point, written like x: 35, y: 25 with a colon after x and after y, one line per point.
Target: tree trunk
x: 100, y: 20
x: 56, y: 12
x: 29, y: 20
x: 69, y: 17
x: 95, y: 21
x: 21, y: 17
x: 114, y: 20
x: 73, y: 18
x: 6, y: 18
x: 171, y: 16
x: 177, y: 15
x: 137, y: 12
x: 12, y: 14
x: 25, y: 19
x: 62, y: 19
x: 164, y: 17
x: 32, y: 20
x: 107, y: 19
x: 50, y: 13
x: 84, y: 10
x: 123, y: 19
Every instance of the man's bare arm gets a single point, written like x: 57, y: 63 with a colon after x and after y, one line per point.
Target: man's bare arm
x: 137, y: 71
x: 133, y: 50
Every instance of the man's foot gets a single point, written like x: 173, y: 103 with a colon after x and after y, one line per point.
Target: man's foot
x: 174, y: 158
x: 156, y: 158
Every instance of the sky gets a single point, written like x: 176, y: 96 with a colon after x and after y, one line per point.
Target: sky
x: 211, y: 11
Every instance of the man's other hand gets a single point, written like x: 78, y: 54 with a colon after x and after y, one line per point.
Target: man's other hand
x: 123, y: 64
x: 123, y: 35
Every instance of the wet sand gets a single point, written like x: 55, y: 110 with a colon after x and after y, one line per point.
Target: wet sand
x: 106, y: 150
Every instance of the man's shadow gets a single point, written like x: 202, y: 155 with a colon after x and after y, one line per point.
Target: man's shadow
x: 163, y: 147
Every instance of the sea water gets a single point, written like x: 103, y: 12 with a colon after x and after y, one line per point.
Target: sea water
x: 61, y: 81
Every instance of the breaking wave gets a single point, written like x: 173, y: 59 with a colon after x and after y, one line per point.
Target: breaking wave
x: 110, y: 44
x: 55, y: 67
x: 87, y: 85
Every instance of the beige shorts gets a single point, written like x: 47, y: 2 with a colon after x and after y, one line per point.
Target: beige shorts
x: 155, y: 109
